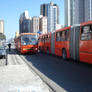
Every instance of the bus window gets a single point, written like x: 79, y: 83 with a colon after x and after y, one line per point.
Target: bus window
x: 64, y: 35
x: 58, y: 36
x: 86, y: 32
x: 48, y: 38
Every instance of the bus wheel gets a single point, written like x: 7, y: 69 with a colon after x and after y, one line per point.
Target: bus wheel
x: 64, y: 54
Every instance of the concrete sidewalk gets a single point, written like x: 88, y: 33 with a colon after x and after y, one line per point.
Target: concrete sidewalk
x: 19, y: 78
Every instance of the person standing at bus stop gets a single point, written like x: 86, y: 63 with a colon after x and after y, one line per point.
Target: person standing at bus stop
x: 9, y: 45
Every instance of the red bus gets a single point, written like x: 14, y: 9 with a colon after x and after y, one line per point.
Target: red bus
x: 77, y: 42
x: 45, y: 43
x: 73, y: 42
x: 41, y: 43
x: 62, y: 42
x: 27, y: 43
x: 85, y: 47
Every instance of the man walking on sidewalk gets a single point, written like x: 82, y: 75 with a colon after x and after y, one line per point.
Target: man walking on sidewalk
x: 9, y: 45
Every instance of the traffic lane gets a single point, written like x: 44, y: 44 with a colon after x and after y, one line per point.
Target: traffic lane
x: 73, y: 77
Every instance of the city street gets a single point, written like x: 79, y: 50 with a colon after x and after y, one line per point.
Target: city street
x: 16, y: 76
x: 46, y: 46
x: 70, y: 76
x: 22, y: 71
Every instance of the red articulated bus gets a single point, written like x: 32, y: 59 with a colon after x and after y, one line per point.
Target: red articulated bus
x: 27, y: 43
x: 85, y: 50
x: 41, y: 43
x: 73, y: 42
x: 62, y: 42
x: 45, y: 43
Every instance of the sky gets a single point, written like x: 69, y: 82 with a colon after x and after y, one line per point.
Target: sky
x: 10, y: 11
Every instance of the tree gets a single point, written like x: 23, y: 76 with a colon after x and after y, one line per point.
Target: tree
x: 2, y: 36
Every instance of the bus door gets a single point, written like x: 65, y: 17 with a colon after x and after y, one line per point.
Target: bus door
x: 86, y: 44
x: 74, y: 42
x: 53, y: 43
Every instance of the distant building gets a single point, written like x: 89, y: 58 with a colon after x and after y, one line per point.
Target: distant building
x: 35, y: 24
x: 50, y: 10
x: 68, y: 12
x: 25, y: 23
x: 74, y: 12
x: 88, y: 10
x: 2, y: 26
x: 43, y: 24
x: 58, y: 26
x: 77, y: 11
x: 16, y: 34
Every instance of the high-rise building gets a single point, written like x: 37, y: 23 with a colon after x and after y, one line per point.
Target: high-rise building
x: 68, y: 12
x: 50, y: 10
x: 77, y: 11
x: 74, y: 12
x: 25, y: 23
x: 58, y: 26
x: 2, y: 26
x: 88, y: 10
x: 43, y: 9
x: 16, y: 34
x: 43, y: 24
x: 35, y: 24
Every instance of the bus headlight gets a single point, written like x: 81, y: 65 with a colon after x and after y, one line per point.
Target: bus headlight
x: 36, y: 48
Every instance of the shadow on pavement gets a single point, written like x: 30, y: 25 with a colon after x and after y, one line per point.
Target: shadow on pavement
x: 73, y: 77
x: 13, y: 51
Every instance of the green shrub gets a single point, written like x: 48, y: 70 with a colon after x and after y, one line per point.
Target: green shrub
x: 2, y: 36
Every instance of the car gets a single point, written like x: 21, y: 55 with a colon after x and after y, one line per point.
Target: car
x: 3, y: 51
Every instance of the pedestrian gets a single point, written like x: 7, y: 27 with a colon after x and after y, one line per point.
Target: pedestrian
x: 9, y: 45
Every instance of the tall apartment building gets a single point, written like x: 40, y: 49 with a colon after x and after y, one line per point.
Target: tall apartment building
x: 16, y: 34
x: 35, y: 24
x: 68, y: 12
x: 74, y: 12
x: 88, y: 10
x: 77, y: 11
x: 2, y: 26
x: 43, y: 24
x: 25, y: 23
x: 50, y: 10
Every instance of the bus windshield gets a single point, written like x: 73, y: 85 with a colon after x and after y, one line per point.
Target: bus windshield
x: 29, y: 40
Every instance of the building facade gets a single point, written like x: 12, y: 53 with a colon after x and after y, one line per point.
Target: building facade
x: 2, y: 26
x: 35, y: 24
x: 50, y: 10
x: 16, y: 34
x: 58, y: 26
x: 43, y: 24
x: 68, y: 12
x: 25, y: 23
x: 88, y: 10
x: 74, y: 12
x: 77, y: 11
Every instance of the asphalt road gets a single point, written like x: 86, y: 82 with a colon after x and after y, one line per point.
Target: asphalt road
x: 69, y: 75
